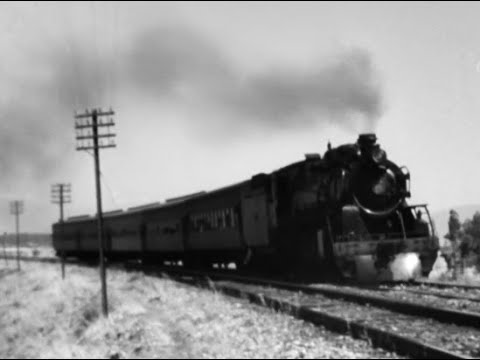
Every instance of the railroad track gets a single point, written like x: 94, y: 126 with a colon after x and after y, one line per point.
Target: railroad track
x: 387, y: 323
x: 448, y: 298
x: 462, y: 318
x: 313, y: 306
x: 433, y: 284
x: 451, y: 293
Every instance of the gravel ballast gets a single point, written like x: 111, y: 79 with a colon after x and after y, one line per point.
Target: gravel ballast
x: 452, y: 299
x: 462, y: 340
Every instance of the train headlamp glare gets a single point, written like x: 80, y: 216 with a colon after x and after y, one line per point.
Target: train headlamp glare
x: 378, y: 155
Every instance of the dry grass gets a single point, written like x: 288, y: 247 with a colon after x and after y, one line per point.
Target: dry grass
x: 44, y: 317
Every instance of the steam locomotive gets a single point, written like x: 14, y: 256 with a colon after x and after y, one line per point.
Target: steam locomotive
x: 317, y: 216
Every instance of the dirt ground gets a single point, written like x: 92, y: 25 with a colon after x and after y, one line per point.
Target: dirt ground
x: 42, y: 316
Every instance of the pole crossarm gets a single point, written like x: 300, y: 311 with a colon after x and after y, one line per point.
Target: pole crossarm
x: 92, y: 132
x: 16, y: 207
x: 61, y: 194
x: 81, y: 148
x: 88, y: 125
x: 90, y: 137
x: 89, y: 113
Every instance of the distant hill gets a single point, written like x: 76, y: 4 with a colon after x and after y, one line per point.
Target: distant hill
x: 440, y: 218
x: 28, y: 239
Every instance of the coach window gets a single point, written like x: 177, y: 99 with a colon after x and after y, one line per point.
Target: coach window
x: 231, y: 216
x: 224, y: 219
x: 211, y: 220
x: 228, y: 218
x: 206, y: 224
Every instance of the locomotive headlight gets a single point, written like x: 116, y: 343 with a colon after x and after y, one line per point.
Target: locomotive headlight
x: 378, y: 155
x: 384, y: 185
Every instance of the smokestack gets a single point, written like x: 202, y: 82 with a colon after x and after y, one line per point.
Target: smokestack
x: 367, y: 140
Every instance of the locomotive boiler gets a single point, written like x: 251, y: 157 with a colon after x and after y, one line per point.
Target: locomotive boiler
x: 316, y: 217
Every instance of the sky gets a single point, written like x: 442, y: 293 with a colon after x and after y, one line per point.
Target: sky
x: 209, y: 94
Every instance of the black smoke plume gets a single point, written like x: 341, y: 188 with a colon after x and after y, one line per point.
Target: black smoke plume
x: 37, y: 125
x: 178, y: 63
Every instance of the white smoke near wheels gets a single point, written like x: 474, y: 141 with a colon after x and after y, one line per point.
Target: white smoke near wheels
x: 406, y: 266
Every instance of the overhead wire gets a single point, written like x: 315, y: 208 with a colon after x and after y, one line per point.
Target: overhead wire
x: 105, y: 183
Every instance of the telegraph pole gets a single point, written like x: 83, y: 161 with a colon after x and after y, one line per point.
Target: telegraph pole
x: 5, y: 248
x: 16, y: 208
x: 93, y: 133
x: 61, y: 194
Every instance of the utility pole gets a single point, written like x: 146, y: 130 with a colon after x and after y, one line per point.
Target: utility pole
x: 16, y: 208
x: 5, y: 248
x: 61, y: 194
x: 93, y: 133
